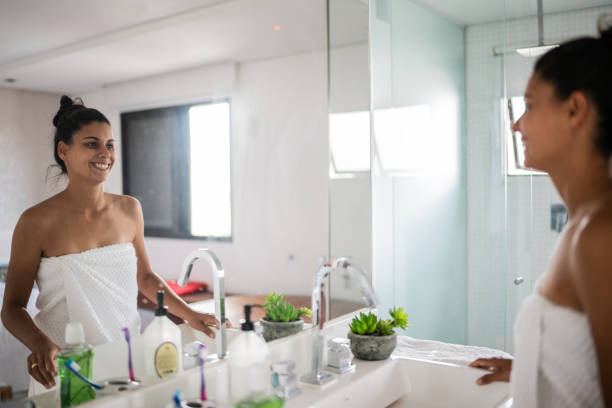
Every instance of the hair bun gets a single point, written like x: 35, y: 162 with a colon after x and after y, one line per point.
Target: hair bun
x: 66, y: 105
x: 604, y: 24
x: 65, y: 101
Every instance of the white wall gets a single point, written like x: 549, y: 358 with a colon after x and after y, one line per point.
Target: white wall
x: 508, y: 217
x: 26, y: 135
x: 279, y: 167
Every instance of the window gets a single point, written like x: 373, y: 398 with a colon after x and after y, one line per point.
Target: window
x: 515, y: 107
x: 349, y: 139
x: 176, y: 162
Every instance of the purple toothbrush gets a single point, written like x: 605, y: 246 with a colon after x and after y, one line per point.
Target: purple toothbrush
x: 202, y: 384
x: 127, y: 338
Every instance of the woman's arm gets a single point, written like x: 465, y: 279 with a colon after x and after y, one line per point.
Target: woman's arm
x: 23, y: 264
x: 149, y: 282
x: 591, y: 269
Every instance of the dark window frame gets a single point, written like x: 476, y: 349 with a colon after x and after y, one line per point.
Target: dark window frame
x: 180, y: 156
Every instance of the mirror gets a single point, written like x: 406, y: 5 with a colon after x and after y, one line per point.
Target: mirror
x: 267, y: 58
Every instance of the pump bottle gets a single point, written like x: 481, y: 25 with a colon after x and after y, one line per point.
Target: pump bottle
x: 73, y: 390
x: 162, y: 344
x: 249, y: 368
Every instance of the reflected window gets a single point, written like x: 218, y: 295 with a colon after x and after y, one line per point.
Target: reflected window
x: 515, y: 107
x: 176, y: 162
x: 349, y: 137
x: 405, y: 139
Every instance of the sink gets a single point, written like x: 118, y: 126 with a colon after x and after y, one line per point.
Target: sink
x: 438, y: 385
x: 405, y: 383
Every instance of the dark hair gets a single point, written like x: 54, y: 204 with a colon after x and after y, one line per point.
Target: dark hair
x: 70, y: 118
x: 585, y: 64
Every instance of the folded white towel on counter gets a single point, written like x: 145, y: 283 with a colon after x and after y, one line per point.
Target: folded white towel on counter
x: 96, y: 287
x: 443, y: 352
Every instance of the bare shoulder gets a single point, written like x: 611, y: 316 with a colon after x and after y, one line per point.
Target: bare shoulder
x: 128, y: 205
x: 41, y: 216
x: 591, y: 243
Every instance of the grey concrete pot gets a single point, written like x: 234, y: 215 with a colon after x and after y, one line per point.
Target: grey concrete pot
x: 372, y: 347
x: 276, y: 330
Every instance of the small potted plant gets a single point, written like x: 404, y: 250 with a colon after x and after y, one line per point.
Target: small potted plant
x: 373, y: 338
x: 282, y: 318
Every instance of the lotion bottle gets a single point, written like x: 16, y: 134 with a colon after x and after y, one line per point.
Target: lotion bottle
x: 162, y: 344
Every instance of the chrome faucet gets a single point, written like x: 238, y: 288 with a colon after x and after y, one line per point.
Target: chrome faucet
x: 218, y: 290
x: 317, y: 376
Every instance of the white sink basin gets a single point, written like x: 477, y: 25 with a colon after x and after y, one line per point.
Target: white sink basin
x: 438, y: 385
x: 404, y: 383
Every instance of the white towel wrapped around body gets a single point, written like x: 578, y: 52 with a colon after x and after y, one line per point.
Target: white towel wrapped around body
x: 96, y: 287
x: 555, y: 363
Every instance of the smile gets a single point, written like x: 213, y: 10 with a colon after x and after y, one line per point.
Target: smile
x: 101, y: 166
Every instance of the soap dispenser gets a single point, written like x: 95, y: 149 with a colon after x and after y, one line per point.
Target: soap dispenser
x: 162, y: 344
x: 249, y: 368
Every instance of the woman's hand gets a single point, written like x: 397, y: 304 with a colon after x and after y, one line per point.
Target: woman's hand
x: 500, y: 367
x: 41, y: 363
x: 203, y: 322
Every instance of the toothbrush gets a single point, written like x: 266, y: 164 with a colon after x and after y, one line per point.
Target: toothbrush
x: 127, y: 338
x: 202, y: 384
x: 74, y: 367
x: 177, y: 399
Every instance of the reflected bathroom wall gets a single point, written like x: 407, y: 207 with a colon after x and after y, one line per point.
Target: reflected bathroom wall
x: 418, y: 181
x: 269, y: 58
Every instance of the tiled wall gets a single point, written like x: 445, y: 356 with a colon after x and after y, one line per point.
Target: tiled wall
x: 508, y: 217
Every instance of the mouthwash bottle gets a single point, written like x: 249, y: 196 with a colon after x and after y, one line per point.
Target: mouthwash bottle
x: 73, y: 390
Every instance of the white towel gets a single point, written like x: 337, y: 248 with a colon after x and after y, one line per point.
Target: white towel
x: 444, y: 352
x: 555, y: 363
x: 96, y: 287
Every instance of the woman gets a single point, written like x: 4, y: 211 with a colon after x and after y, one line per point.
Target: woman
x: 563, y: 334
x: 85, y: 249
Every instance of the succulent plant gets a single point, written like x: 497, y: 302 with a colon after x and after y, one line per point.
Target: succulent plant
x: 370, y: 324
x: 364, y: 324
x: 385, y: 327
x: 400, y: 319
x: 279, y: 310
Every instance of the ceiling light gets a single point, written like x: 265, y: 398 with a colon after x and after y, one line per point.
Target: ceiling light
x: 535, y: 51
x: 276, y: 28
x: 541, y: 48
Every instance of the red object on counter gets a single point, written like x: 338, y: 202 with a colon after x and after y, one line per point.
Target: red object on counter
x: 190, y: 287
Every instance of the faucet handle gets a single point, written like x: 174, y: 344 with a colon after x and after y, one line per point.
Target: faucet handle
x: 284, y: 379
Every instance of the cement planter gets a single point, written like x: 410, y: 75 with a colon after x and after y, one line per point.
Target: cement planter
x: 372, y: 347
x: 276, y: 330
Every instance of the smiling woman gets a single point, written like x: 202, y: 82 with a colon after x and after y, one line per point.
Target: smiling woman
x: 85, y: 249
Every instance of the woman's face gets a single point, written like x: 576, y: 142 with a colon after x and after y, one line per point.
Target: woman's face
x: 91, y: 155
x: 544, y: 126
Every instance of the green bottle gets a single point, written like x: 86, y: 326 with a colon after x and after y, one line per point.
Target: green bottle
x: 73, y: 390
x: 261, y: 401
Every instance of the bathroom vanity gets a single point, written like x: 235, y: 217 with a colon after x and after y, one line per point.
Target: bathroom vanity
x: 396, y: 382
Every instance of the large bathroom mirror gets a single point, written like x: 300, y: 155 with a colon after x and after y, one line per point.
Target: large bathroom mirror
x: 263, y: 63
